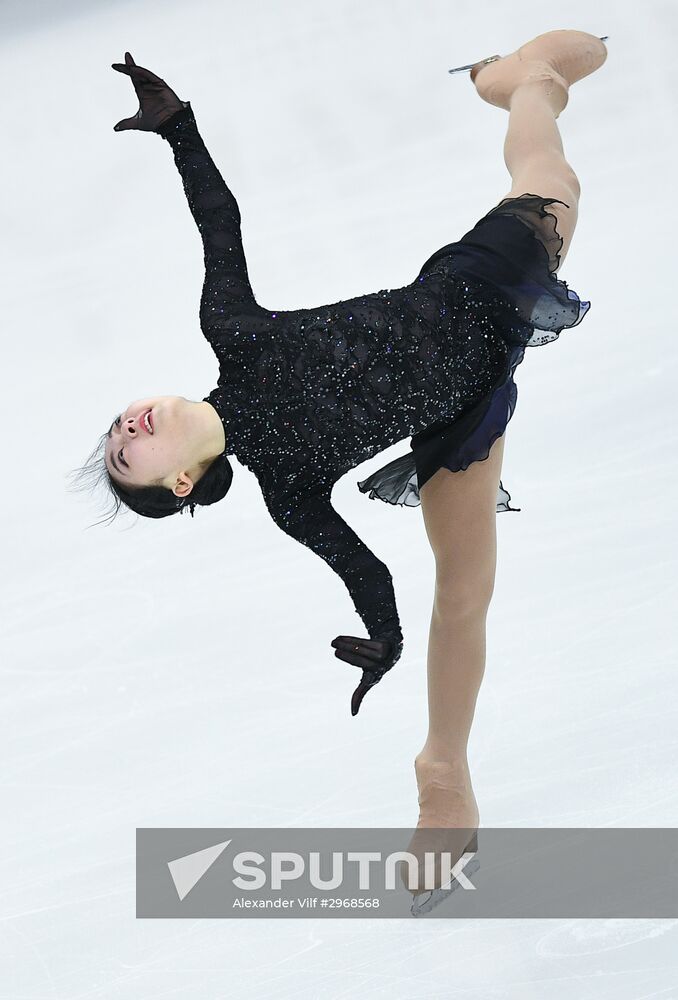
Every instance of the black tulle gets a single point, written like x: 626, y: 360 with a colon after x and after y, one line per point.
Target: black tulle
x: 511, y: 256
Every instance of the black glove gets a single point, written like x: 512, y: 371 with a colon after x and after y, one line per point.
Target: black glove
x: 375, y: 655
x: 157, y: 101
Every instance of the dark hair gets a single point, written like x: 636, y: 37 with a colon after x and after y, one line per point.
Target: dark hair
x: 155, y: 500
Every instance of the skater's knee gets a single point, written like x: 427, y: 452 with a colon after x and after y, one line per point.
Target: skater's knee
x: 456, y: 605
x: 463, y: 595
x: 548, y: 175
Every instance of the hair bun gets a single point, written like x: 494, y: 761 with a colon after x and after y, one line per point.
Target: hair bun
x: 213, y: 485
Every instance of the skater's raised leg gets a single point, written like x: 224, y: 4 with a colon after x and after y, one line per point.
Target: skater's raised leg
x: 535, y: 158
x: 532, y: 84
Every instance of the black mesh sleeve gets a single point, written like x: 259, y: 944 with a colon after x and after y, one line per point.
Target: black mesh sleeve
x: 310, y: 518
x: 216, y: 215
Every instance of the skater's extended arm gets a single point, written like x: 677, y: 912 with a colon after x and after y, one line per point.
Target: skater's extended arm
x: 310, y: 518
x: 216, y: 214
x: 212, y: 204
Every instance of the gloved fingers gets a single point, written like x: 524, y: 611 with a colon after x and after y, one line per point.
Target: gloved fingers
x: 157, y: 101
x: 131, y: 72
x: 139, y: 77
x: 369, y: 643
x: 127, y: 123
x: 147, y: 86
x: 137, y: 74
x: 366, y: 683
x: 373, y: 648
x: 355, y: 658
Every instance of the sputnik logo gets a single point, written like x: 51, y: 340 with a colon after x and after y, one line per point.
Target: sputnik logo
x: 187, y: 871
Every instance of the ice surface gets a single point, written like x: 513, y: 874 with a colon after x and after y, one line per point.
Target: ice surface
x: 179, y: 672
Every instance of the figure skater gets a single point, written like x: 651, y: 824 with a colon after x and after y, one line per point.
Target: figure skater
x: 303, y: 396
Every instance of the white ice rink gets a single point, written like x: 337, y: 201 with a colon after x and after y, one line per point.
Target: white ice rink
x: 179, y: 672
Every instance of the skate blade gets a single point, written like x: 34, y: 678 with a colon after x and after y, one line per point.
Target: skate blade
x: 424, y: 902
x: 460, y: 69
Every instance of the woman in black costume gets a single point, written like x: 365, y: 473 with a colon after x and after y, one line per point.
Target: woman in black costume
x: 304, y: 396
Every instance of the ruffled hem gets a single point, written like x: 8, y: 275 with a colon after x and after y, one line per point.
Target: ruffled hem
x: 405, y: 489
x: 466, y: 441
x: 514, y: 251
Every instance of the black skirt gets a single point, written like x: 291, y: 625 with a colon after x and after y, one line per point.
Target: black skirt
x: 510, y: 257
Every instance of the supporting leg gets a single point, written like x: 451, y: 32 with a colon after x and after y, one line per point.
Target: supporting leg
x: 459, y: 510
x: 534, y: 156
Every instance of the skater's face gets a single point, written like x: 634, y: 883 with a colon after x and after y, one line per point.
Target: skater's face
x: 161, y: 456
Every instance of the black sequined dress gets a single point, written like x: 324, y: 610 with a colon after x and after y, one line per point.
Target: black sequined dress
x: 308, y: 394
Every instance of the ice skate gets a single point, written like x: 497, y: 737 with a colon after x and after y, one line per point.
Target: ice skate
x: 427, y: 900
x: 557, y: 58
x: 448, y: 824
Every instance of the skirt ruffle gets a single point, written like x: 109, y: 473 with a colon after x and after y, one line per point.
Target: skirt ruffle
x: 511, y: 256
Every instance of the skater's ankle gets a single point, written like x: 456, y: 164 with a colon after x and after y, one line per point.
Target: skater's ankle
x: 445, y: 794
x: 455, y: 760
x: 541, y: 89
